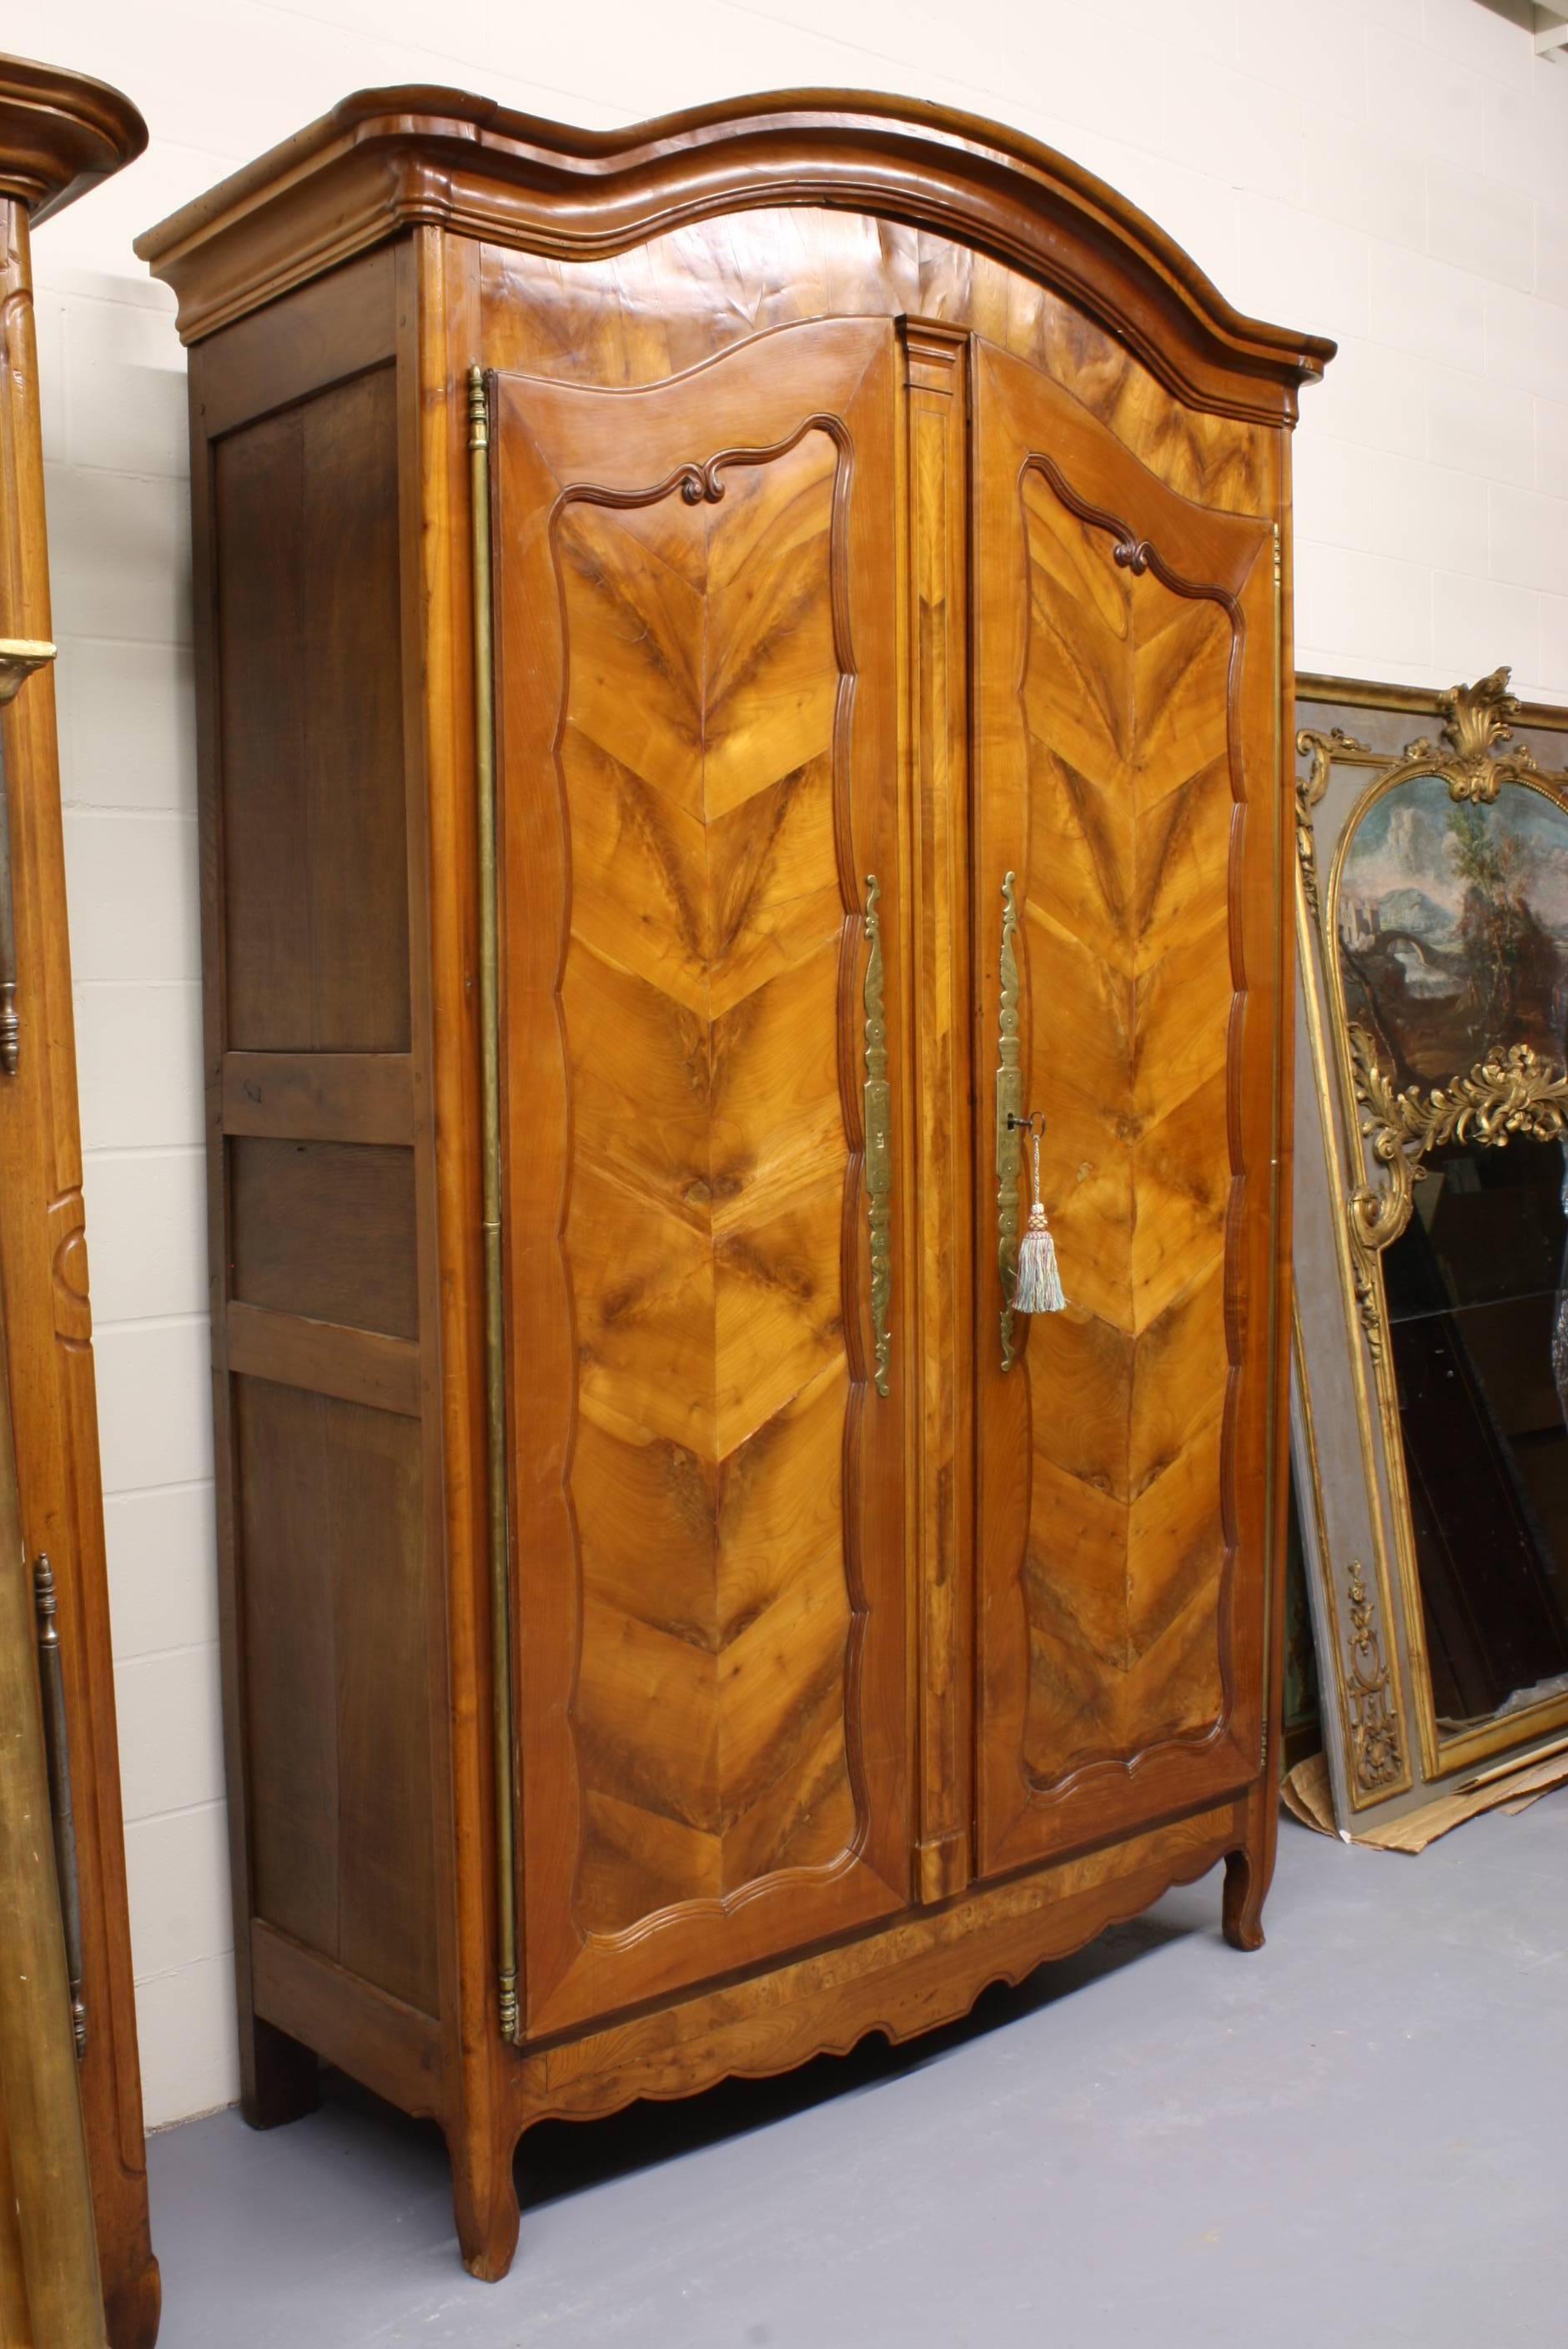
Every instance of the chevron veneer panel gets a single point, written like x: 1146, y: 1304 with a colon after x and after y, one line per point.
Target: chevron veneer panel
x: 704, y: 1234
x: 1126, y: 679
x: 698, y: 741
x: 1125, y: 929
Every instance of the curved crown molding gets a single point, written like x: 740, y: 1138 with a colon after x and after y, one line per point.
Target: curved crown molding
x: 60, y: 134
x: 386, y: 159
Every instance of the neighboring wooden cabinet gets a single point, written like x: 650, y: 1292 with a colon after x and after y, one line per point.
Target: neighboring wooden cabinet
x: 735, y: 657
x: 60, y: 134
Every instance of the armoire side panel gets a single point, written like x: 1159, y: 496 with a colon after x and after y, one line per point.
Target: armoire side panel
x: 315, y: 898
x: 324, y: 1229
x: 341, y: 1853
x: 309, y: 971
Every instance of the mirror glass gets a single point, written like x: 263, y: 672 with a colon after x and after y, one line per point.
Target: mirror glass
x: 1452, y: 924
x: 1478, y: 1332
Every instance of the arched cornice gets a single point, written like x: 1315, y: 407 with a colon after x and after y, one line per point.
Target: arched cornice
x: 384, y: 160
x: 60, y: 134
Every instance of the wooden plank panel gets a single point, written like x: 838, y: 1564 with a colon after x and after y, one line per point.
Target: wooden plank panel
x: 319, y: 1096
x: 391, y: 2047
x: 258, y: 495
x: 289, y: 1673
x: 316, y: 898
x: 341, y: 323
x: 336, y: 1681
x: 324, y: 1358
x: 371, y: 1505
x: 324, y: 1229
x: 354, y: 711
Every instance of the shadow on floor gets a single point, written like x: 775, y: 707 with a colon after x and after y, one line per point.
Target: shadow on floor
x: 558, y: 2158
x: 561, y: 2157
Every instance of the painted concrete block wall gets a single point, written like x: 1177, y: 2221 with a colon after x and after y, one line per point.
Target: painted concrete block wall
x: 1394, y: 172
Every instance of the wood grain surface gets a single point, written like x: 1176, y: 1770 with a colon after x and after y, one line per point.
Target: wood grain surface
x: 668, y: 305
x: 1110, y: 776
x: 685, y: 1058
x: 874, y: 494
x: 385, y: 159
x: 44, y: 1268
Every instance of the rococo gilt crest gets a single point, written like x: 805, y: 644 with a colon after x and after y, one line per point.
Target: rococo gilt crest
x: 1476, y: 720
x: 1469, y: 758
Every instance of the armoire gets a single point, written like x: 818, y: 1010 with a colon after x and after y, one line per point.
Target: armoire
x: 744, y: 673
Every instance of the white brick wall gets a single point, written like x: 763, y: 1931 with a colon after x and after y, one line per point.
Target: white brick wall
x: 1394, y: 172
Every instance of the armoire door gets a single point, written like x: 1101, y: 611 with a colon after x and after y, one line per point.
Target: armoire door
x: 1126, y: 886
x: 698, y: 743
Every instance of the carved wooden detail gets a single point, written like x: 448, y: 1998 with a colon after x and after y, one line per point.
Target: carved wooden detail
x: 708, y: 1209
x: 1127, y: 791
x: 73, y: 1304
x: 362, y: 171
x: 715, y: 645
x: 1374, y: 1735
x: 1320, y: 751
x: 1125, y: 704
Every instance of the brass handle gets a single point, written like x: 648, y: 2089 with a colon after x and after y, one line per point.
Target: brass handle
x: 1009, y: 1120
x: 19, y: 657
x: 57, y: 1745
x: 879, y: 1138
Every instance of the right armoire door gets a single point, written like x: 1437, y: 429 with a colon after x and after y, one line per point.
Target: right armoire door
x: 1128, y: 830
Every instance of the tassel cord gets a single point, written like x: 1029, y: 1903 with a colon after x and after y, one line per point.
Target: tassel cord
x: 1038, y: 1288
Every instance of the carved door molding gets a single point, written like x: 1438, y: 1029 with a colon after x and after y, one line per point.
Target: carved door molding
x: 702, y: 912
x: 1127, y: 689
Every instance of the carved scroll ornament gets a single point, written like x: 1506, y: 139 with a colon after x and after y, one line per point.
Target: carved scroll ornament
x: 1475, y: 721
x: 1374, y: 1717
x: 1320, y: 751
x: 1511, y: 1092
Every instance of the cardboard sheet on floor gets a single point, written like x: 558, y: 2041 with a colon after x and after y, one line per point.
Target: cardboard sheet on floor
x: 1308, y: 1798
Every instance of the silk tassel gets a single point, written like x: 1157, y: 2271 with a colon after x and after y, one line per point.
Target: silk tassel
x: 1038, y: 1288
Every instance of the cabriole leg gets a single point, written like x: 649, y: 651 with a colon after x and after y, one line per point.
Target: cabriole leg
x: 1249, y: 1870
x: 484, y: 2198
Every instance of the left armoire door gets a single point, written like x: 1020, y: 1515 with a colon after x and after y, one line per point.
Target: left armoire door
x: 697, y: 738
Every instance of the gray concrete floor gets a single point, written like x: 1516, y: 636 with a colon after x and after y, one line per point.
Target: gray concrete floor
x: 1360, y: 2134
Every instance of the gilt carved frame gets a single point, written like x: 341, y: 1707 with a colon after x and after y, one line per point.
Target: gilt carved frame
x: 1360, y: 1142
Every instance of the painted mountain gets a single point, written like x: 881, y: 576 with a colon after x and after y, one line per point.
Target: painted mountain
x: 1452, y: 924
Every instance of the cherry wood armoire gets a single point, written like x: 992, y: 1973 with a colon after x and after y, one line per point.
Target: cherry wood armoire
x: 737, y: 658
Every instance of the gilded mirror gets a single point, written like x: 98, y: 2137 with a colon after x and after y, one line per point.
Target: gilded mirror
x: 1429, y: 1410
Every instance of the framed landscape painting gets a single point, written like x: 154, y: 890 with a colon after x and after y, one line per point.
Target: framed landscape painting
x: 1430, y: 1402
